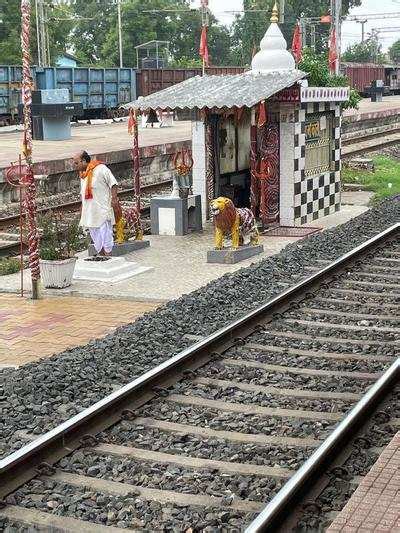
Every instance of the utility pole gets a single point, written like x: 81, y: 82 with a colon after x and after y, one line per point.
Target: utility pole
x: 119, y: 33
x: 38, y: 34
x: 42, y: 40
x: 363, y: 23
x: 281, y: 11
x: 303, y: 29
x: 312, y: 35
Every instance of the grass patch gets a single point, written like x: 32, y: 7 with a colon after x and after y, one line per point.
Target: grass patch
x: 384, y: 182
x: 9, y: 265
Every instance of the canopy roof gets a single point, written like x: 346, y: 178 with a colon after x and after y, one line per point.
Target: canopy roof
x: 247, y: 89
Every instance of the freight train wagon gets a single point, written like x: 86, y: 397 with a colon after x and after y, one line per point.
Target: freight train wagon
x: 100, y: 90
x: 361, y: 75
x: 150, y: 81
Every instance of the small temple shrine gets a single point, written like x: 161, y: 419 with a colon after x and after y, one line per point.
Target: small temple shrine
x: 263, y: 138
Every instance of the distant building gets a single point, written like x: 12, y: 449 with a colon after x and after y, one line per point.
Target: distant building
x: 66, y: 60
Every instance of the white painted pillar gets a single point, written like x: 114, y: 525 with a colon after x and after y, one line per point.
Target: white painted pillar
x: 287, y: 173
x: 199, y: 164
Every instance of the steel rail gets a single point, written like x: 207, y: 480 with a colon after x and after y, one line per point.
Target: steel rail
x: 77, y: 203
x: 19, y: 466
x: 279, y: 508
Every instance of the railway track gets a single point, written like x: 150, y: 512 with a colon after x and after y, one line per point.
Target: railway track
x: 252, y: 414
x: 74, y: 205
x: 9, y: 240
x: 366, y: 142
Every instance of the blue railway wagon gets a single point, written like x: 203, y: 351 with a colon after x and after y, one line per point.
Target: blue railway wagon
x: 99, y: 89
x: 10, y: 92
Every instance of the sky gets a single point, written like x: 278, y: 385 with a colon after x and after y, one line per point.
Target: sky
x: 351, y: 30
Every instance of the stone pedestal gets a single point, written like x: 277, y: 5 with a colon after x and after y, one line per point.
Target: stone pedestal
x: 110, y: 271
x: 230, y: 257
x: 175, y: 216
x: 122, y: 249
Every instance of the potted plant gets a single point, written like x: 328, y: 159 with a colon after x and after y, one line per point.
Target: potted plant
x: 59, y: 242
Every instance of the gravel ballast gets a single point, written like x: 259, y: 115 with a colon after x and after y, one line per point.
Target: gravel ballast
x: 233, y: 394
x: 170, y: 477
x: 125, y: 512
x: 40, y: 395
x: 193, y: 446
x: 257, y: 376
x: 243, y: 423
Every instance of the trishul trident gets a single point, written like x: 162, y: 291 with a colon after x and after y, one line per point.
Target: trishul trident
x: 15, y: 177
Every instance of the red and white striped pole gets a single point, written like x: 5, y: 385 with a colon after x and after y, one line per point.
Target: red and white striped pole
x: 28, y: 179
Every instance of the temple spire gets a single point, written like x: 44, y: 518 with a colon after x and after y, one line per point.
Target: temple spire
x: 273, y: 54
x: 275, y: 14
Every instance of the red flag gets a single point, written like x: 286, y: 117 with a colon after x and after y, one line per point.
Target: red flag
x: 204, y: 46
x: 297, y: 44
x: 333, y: 55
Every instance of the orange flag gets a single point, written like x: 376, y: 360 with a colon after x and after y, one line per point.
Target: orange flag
x: 333, y: 55
x: 204, y: 46
x: 297, y: 44
x: 326, y: 19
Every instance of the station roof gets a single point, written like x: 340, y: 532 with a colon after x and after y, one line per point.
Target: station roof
x: 240, y: 90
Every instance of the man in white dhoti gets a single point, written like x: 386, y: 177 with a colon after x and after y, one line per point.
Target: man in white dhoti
x: 99, y: 200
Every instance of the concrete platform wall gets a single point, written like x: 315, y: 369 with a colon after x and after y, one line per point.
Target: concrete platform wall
x: 156, y: 166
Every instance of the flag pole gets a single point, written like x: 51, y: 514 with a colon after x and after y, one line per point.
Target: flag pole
x: 205, y: 21
x: 29, y: 179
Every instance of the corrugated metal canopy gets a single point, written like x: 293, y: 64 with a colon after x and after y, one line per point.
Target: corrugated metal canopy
x: 239, y: 90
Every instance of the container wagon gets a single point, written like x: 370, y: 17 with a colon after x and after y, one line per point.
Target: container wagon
x: 150, y: 81
x: 101, y: 91
x: 361, y: 75
x: 10, y: 93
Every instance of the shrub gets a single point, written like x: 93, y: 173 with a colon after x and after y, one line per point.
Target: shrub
x: 59, y: 240
x: 9, y: 265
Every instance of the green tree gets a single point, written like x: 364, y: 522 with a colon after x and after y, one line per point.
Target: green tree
x: 58, y: 27
x: 369, y: 51
x: 248, y: 29
x: 95, y: 41
x: 316, y: 66
x: 394, y: 52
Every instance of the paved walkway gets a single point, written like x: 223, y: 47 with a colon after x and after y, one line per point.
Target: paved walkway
x: 30, y: 330
x: 375, y: 505
x: 178, y: 265
x: 388, y: 104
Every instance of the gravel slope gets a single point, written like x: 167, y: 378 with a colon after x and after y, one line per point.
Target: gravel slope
x: 40, y: 395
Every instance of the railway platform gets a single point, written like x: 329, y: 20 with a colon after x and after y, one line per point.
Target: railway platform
x: 111, y: 141
x: 375, y: 505
x: 369, y: 110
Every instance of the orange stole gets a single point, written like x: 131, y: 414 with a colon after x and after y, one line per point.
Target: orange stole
x: 88, y: 173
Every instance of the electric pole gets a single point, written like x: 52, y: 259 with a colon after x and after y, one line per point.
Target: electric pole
x: 38, y: 34
x: 42, y: 35
x: 363, y: 23
x: 281, y: 11
x: 312, y: 35
x: 119, y: 33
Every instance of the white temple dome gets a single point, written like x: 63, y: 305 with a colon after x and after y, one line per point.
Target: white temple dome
x: 273, y: 54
